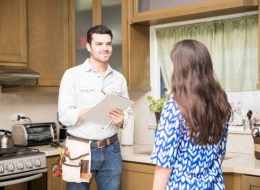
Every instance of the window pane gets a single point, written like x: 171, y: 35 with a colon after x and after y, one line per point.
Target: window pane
x: 148, y: 5
x: 83, y: 21
x: 111, y: 18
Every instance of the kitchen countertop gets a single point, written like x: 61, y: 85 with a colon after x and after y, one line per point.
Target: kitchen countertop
x: 233, y: 162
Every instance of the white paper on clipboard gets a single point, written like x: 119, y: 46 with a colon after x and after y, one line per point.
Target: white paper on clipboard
x: 99, y: 113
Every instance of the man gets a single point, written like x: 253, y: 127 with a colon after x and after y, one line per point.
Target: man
x: 81, y: 88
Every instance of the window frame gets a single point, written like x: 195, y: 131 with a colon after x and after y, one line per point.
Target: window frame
x: 154, y: 60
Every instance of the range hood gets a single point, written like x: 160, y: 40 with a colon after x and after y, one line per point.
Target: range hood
x: 17, y: 76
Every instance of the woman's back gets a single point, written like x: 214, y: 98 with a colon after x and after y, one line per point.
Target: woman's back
x: 193, y: 166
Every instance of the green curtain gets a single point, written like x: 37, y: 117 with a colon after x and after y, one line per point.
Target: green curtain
x: 232, y: 43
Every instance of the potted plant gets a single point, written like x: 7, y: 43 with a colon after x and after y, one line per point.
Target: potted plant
x: 156, y: 106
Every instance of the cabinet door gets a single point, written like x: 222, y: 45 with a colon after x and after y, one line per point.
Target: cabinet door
x: 48, y: 33
x: 112, y: 18
x: 13, y: 41
x: 150, y: 5
x: 250, y: 182
x: 232, y: 181
x: 258, y: 83
x: 137, y: 176
x: 54, y: 183
x: 20, y: 186
x: 83, y: 21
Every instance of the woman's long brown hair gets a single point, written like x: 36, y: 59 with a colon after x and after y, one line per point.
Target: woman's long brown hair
x: 201, y: 99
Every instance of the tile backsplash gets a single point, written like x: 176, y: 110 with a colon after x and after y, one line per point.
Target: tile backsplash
x: 42, y: 107
x: 38, y: 106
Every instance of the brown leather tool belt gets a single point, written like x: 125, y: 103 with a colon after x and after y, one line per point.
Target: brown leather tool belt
x: 97, y: 143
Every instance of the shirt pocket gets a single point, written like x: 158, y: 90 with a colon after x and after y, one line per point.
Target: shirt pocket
x: 116, y: 91
x: 87, y: 96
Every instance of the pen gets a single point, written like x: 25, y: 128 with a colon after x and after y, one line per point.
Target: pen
x: 103, y: 92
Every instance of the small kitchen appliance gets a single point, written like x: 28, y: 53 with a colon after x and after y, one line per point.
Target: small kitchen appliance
x: 34, y: 134
x: 6, y: 140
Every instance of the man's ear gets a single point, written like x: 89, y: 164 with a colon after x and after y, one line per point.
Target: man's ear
x: 88, y: 46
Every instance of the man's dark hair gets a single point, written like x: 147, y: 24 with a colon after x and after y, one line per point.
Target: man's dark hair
x: 98, y: 29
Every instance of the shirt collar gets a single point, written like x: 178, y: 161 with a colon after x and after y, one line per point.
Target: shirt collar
x: 88, y: 67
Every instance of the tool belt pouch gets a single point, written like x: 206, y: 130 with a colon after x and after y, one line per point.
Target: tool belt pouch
x: 77, y: 161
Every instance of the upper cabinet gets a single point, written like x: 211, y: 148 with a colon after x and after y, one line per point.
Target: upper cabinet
x: 36, y: 34
x: 111, y: 13
x: 49, y: 39
x: 258, y: 83
x: 112, y: 18
x: 83, y: 19
x: 13, y: 36
x: 153, y: 12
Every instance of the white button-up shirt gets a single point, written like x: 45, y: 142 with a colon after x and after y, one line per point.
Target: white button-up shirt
x: 81, y: 87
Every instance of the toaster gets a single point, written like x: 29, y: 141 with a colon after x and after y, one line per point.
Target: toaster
x: 34, y: 134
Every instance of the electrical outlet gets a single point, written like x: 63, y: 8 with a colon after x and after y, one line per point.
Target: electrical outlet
x: 15, y: 116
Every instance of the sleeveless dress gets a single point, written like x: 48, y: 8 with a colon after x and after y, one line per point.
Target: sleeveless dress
x: 193, y: 166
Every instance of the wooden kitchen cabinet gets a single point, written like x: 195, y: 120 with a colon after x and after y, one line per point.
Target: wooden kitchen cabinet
x: 258, y: 83
x: 49, y: 41
x: 137, y: 176
x: 232, y: 181
x: 250, y: 182
x: 190, y: 10
x: 20, y: 186
x: 54, y: 183
x: 13, y: 36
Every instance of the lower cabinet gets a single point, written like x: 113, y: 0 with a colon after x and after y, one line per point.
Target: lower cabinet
x: 20, y: 186
x: 241, y: 182
x: 138, y: 176
x: 54, y: 183
x: 232, y: 181
x: 250, y: 182
x: 135, y: 176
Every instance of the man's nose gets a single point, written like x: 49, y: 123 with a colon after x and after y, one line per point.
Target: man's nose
x: 105, y: 48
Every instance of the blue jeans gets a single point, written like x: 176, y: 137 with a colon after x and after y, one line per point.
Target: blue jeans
x: 106, y: 167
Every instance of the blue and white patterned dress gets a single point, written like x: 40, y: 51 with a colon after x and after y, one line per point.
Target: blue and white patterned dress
x: 193, y: 166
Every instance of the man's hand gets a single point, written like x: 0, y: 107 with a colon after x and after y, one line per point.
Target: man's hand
x: 82, y: 115
x: 117, y: 117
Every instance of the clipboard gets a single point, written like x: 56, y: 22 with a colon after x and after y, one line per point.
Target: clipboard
x: 99, y: 113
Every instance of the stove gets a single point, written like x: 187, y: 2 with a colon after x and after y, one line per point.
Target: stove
x: 21, y: 164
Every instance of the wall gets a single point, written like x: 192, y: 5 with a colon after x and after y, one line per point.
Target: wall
x: 39, y: 106
x: 241, y: 142
x: 42, y: 107
x: 237, y: 141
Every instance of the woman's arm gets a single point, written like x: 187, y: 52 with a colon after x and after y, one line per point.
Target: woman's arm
x: 161, y: 177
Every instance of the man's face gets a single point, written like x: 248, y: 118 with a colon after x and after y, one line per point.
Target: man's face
x: 100, y: 48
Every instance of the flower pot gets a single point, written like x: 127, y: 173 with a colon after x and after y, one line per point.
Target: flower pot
x: 157, y: 116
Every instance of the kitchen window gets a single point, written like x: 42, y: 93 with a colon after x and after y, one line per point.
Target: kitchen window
x: 232, y: 41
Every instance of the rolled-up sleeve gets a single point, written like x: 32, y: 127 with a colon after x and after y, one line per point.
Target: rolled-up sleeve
x: 68, y: 111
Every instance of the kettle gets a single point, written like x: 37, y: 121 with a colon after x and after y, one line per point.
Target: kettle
x: 6, y: 140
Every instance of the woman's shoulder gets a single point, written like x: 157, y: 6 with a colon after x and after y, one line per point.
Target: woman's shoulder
x: 171, y: 106
x: 171, y: 103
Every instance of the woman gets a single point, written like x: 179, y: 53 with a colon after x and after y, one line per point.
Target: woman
x: 191, y: 139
